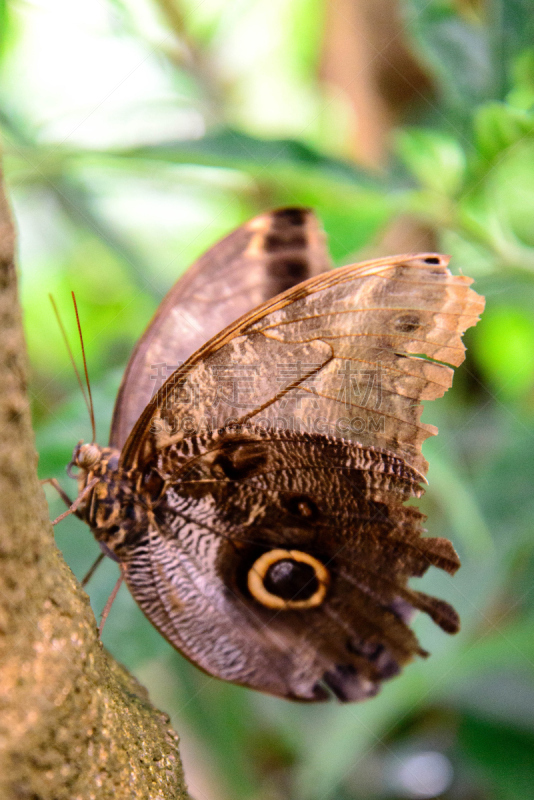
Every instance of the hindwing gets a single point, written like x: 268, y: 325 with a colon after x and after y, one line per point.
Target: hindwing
x: 238, y: 497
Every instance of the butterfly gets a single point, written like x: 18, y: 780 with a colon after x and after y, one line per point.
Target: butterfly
x: 264, y: 441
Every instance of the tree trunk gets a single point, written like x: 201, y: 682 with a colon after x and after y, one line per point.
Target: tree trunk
x: 74, y: 723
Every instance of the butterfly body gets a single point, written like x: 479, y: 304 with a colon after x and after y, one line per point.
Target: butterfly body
x: 257, y: 505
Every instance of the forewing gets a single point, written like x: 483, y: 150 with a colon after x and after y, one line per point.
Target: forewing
x: 230, y: 499
x: 262, y: 258
x: 351, y: 353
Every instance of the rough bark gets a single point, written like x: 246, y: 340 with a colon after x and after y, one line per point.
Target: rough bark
x: 74, y: 723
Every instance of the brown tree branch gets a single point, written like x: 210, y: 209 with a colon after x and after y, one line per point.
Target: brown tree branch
x: 74, y: 723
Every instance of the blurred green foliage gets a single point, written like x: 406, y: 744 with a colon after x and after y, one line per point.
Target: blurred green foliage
x: 138, y: 132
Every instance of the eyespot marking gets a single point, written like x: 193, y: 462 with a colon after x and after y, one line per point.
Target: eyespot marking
x: 407, y: 323
x: 288, y: 579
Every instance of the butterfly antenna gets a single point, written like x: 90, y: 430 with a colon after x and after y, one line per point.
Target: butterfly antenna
x: 69, y: 351
x: 90, y: 405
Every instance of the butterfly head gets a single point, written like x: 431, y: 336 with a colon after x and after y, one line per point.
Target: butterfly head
x: 86, y: 456
x: 90, y: 461
x: 95, y: 469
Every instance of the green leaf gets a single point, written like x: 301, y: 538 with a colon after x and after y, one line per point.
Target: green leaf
x: 470, y: 48
x: 499, y: 126
x: 512, y: 26
x: 464, y: 515
x: 458, y: 52
x: 522, y: 92
x: 231, y: 148
x: 505, y: 755
x: 505, y: 350
x: 435, y: 158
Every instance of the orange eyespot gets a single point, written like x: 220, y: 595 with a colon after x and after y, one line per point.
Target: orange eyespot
x: 288, y: 579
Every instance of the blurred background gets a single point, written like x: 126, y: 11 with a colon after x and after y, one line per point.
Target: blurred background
x: 138, y: 132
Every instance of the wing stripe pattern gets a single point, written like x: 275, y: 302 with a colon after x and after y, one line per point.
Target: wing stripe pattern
x: 257, y: 261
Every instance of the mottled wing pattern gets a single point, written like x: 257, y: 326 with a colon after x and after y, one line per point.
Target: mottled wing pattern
x: 351, y: 353
x: 262, y: 258
x: 293, y: 438
x: 235, y: 495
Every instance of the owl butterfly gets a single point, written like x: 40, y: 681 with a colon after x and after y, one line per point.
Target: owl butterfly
x: 256, y: 501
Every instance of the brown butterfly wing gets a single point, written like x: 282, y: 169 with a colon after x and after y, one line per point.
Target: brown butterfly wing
x: 262, y: 258
x: 351, y: 353
x: 236, y: 496
x: 333, y: 496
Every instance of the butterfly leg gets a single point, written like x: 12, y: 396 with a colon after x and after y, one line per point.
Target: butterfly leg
x: 72, y: 505
x: 68, y: 502
x: 54, y: 482
x: 109, y: 603
x: 93, y: 569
